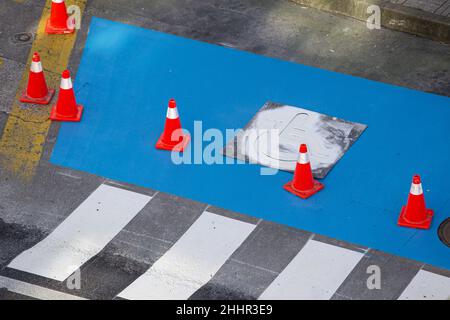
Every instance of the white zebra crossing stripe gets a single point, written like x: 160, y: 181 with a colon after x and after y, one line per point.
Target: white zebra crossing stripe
x: 83, y: 234
x: 192, y: 261
x: 33, y: 291
x: 427, y: 286
x: 315, y: 273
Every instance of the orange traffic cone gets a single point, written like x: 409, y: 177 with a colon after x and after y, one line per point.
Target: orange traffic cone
x: 59, y: 22
x: 66, y: 109
x: 173, y: 138
x: 36, y: 91
x: 415, y: 214
x: 303, y: 184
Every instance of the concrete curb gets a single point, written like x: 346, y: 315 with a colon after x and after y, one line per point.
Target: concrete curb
x: 393, y: 16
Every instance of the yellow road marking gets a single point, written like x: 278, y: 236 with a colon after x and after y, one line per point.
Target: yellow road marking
x: 26, y: 129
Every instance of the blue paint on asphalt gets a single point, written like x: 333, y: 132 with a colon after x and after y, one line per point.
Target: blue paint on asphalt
x: 128, y: 74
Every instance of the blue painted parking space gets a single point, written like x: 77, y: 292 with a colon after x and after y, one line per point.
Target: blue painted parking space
x: 127, y: 75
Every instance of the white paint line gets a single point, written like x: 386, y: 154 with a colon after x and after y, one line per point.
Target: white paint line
x: 427, y: 286
x: 83, y: 234
x: 31, y: 290
x: 314, y: 274
x: 69, y: 175
x: 192, y: 261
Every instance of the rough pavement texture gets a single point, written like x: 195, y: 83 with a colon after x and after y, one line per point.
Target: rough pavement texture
x: 413, y: 17
x: 440, y: 7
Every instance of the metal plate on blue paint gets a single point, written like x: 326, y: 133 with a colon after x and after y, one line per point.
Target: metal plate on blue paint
x: 273, y: 136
